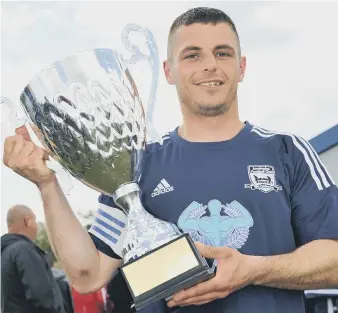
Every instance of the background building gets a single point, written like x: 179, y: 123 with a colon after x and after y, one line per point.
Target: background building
x: 326, y: 145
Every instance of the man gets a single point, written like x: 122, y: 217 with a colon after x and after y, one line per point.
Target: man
x: 27, y: 283
x: 259, y: 202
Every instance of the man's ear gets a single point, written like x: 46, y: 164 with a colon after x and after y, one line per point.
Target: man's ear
x: 26, y: 221
x: 167, y: 72
x: 242, y: 68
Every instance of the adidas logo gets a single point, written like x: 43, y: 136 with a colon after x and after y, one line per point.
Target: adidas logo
x: 162, y: 187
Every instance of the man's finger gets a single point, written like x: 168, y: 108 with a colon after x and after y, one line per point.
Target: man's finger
x: 23, y: 131
x: 204, y: 302
x: 40, y: 153
x: 45, y: 155
x: 18, y: 146
x: 28, y: 149
x: 197, y: 290
x: 209, y: 252
x: 8, y: 148
x: 197, y: 300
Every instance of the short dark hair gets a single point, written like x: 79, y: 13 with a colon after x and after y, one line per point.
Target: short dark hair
x: 202, y: 15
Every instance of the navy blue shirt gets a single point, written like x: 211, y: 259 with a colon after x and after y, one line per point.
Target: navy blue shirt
x: 262, y: 193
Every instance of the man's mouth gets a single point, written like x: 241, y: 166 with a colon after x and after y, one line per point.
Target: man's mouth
x: 214, y: 83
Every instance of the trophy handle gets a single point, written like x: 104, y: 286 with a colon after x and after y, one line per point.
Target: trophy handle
x: 153, y: 60
x: 13, y: 119
x: 16, y: 120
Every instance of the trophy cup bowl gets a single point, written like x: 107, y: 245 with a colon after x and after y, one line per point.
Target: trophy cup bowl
x: 87, y: 113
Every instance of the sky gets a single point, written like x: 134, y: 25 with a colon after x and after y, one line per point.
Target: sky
x: 290, y: 83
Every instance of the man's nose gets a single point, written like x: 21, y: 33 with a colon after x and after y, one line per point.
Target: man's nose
x: 209, y: 63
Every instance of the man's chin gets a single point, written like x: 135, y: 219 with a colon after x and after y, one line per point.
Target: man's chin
x: 212, y: 109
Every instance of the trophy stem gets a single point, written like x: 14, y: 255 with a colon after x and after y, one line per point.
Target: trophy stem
x: 144, y: 231
x: 127, y: 195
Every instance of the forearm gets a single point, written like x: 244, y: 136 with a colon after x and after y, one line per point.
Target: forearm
x: 312, y: 266
x: 71, y: 243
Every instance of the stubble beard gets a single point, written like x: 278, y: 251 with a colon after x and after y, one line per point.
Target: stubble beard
x: 211, y: 110
x: 201, y: 108
x: 218, y: 109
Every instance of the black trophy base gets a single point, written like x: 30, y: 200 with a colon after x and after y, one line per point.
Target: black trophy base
x: 164, y: 271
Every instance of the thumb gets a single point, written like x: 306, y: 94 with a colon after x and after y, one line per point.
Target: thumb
x: 209, y: 252
x: 43, y: 154
x: 22, y: 130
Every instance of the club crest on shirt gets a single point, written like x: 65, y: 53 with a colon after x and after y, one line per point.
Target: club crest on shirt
x: 263, y: 178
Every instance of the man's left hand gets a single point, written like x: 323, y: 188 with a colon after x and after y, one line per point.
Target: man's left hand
x: 234, y: 271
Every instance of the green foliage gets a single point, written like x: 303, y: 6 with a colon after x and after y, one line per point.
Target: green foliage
x: 42, y: 238
x: 42, y: 242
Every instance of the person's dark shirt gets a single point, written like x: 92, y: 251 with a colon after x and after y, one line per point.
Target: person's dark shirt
x: 27, y: 283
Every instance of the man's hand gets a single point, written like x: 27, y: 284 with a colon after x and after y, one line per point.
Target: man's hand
x: 234, y: 271
x: 27, y: 159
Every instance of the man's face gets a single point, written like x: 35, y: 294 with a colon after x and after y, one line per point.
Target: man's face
x: 205, y: 66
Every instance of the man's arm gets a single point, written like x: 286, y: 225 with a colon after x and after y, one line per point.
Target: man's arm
x: 312, y: 266
x: 314, y: 219
x: 87, y: 269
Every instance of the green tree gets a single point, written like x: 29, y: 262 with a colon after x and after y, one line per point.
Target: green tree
x: 42, y: 238
x: 43, y: 243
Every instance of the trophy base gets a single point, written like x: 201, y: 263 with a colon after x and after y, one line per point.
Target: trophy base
x: 164, y: 271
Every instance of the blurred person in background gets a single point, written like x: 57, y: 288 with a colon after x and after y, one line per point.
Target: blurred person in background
x: 27, y: 282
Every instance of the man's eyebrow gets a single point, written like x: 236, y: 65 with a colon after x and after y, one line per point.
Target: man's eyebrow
x: 225, y: 46
x: 190, y: 48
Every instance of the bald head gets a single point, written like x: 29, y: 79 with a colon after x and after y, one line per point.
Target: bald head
x: 21, y: 220
x: 16, y: 214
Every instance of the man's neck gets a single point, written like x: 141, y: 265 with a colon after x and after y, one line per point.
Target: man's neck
x: 210, y: 128
x: 20, y: 232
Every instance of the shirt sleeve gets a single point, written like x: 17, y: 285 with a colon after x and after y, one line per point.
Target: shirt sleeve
x: 314, y: 196
x: 36, y: 280
x: 109, y: 227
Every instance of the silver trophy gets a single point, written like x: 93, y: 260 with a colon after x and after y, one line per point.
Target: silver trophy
x: 87, y: 113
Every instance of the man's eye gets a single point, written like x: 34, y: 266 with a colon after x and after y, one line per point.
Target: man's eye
x: 191, y: 56
x: 223, y: 54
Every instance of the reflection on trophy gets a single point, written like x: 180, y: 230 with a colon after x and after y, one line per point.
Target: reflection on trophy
x: 87, y: 112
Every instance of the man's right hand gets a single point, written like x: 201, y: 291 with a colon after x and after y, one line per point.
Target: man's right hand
x: 26, y: 158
